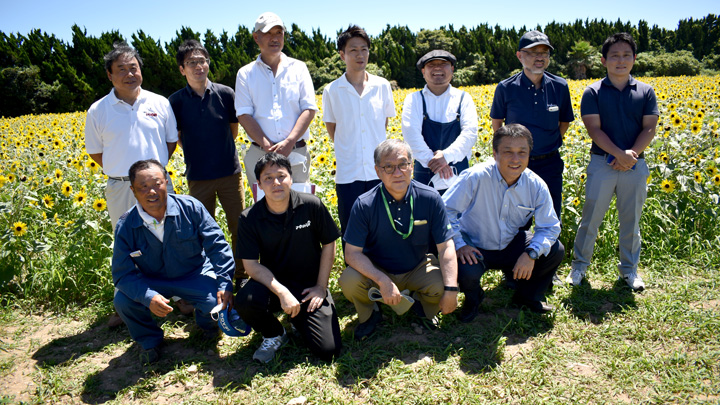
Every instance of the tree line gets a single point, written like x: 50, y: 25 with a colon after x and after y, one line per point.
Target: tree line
x: 40, y: 73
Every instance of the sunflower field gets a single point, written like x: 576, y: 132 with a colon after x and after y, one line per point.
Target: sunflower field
x: 55, y: 234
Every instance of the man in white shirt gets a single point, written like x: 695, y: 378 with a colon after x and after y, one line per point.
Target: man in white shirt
x: 275, y: 101
x: 127, y: 125
x: 356, y: 108
x: 439, y: 122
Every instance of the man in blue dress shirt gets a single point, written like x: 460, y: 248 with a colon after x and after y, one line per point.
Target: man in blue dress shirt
x: 167, y: 245
x: 487, y: 207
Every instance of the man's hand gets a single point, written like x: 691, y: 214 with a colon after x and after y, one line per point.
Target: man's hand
x: 523, y: 267
x: 290, y: 305
x: 159, y: 306
x: 448, y: 302
x: 625, y: 161
x: 390, y: 293
x: 266, y: 144
x: 226, y: 299
x: 283, y: 147
x: 437, y: 162
x: 315, y: 295
x: 469, y: 255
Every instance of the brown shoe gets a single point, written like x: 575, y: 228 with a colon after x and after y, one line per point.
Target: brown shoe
x: 114, y: 321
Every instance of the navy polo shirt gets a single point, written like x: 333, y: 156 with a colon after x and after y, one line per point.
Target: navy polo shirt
x: 517, y: 101
x: 288, y: 244
x: 621, y: 112
x: 204, y: 125
x: 369, y: 227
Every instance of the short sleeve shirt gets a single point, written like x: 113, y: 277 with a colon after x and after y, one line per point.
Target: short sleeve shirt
x: 204, y: 125
x: 621, y: 112
x: 369, y: 226
x: 290, y: 244
x: 517, y: 101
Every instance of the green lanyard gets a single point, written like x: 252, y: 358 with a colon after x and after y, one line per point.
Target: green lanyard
x: 392, y: 223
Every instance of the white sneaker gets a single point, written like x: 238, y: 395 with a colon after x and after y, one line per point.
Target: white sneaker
x: 634, y: 281
x: 575, y: 277
x: 269, y: 347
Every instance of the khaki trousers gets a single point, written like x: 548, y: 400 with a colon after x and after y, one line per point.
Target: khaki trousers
x: 425, y: 281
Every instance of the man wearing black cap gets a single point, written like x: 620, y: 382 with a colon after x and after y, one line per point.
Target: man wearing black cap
x: 439, y: 122
x: 541, y: 102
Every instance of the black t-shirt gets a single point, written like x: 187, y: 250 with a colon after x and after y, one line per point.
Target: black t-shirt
x: 289, y: 244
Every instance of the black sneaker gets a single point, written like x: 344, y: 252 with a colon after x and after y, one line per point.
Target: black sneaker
x: 470, y: 308
x: 150, y: 356
x: 367, y: 328
x: 538, y: 307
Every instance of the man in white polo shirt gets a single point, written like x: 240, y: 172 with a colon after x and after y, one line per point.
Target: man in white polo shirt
x: 275, y: 101
x: 127, y: 125
x: 356, y: 108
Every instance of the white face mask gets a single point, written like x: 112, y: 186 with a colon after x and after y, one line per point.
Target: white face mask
x: 296, y: 159
x: 443, y: 184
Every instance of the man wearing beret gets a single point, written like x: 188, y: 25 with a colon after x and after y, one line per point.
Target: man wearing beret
x: 541, y: 102
x: 439, y: 122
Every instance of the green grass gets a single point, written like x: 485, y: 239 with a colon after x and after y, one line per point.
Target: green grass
x: 603, y: 344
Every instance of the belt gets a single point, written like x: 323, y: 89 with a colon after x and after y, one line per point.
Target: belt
x: 121, y: 178
x: 640, y: 156
x: 545, y: 156
x: 298, y: 144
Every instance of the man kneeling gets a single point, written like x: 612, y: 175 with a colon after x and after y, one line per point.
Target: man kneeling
x: 287, y: 245
x: 167, y: 245
x: 488, y: 205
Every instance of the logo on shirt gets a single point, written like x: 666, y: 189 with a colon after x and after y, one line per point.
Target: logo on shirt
x: 305, y: 225
x: 150, y: 114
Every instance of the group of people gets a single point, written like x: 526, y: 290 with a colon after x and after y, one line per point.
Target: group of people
x: 418, y: 225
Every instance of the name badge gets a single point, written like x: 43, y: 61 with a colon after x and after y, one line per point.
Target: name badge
x: 136, y: 253
x: 553, y: 108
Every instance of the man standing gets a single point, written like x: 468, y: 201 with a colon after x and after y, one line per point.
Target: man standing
x: 275, y: 101
x: 487, y: 206
x: 386, y: 244
x: 620, y: 114
x: 439, y: 122
x: 541, y: 102
x: 287, y: 244
x: 207, y: 127
x: 167, y: 245
x: 127, y: 125
x: 356, y: 108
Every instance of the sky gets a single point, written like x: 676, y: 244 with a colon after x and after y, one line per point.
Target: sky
x: 160, y: 19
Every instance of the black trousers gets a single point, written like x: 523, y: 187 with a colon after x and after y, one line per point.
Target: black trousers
x: 528, y: 290
x: 320, y: 329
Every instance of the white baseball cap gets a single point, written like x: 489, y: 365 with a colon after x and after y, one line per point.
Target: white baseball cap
x: 267, y: 21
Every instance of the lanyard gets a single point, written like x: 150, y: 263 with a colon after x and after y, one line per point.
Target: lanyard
x: 392, y: 223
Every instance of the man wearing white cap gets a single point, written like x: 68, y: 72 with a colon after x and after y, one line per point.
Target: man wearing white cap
x: 275, y: 101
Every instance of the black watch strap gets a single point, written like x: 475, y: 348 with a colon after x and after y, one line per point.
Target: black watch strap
x: 451, y: 288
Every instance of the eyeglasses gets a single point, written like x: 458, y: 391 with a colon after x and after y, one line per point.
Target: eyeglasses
x: 194, y: 62
x: 543, y: 55
x: 390, y: 169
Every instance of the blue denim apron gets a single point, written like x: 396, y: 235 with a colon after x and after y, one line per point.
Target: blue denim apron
x: 439, y: 136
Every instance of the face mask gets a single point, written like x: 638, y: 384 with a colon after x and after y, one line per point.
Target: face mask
x: 443, y: 184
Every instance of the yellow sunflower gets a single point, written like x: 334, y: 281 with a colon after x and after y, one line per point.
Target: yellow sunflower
x: 48, y: 201
x: 695, y: 128
x: 80, y: 198
x: 698, y: 177
x: 716, y: 180
x: 67, y: 188
x: 19, y: 228
x: 58, y: 174
x: 667, y: 186
x: 48, y: 181
x: 99, y: 204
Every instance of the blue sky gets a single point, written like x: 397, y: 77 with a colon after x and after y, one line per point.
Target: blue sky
x: 162, y: 18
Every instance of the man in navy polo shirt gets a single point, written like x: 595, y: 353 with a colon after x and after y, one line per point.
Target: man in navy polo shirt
x: 386, y: 244
x: 541, y: 102
x: 287, y: 244
x: 207, y: 128
x: 620, y: 114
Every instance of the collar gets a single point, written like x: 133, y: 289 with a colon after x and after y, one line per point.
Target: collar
x: 171, y: 210
x: 209, y: 89
x: 115, y: 100
x: 526, y: 82
x: 631, y: 82
x: 344, y: 82
x: 391, y: 199
x: 427, y: 91
x: 283, y: 61
x: 499, y: 178
x: 295, y: 202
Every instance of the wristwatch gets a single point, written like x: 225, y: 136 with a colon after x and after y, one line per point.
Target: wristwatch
x: 532, y: 253
x: 447, y: 288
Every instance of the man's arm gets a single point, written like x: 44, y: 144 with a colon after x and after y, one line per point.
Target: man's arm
x: 234, y: 129
x: 218, y: 252
x: 448, y: 267
x: 97, y: 157
x: 264, y: 276
x: 497, y: 123
x: 625, y: 159
x: 331, y: 129
x: 286, y: 146
x: 412, y: 129
x: 171, y: 149
x: 461, y: 147
x: 649, y: 123
x: 357, y: 259
x: 563, y: 126
x: 317, y: 293
x: 179, y: 142
x: 253, y: 130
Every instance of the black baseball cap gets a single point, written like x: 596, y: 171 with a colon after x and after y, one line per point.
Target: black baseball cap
x: 532, y: 39
x: 436, y: 54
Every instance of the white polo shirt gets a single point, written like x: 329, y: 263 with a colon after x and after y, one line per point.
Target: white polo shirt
x: 442, y: 108
x: 126, y: 133
x: 275, y: 101
x: 359, y: 125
